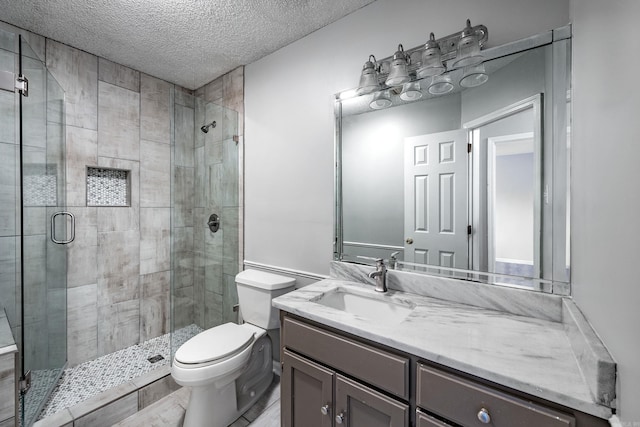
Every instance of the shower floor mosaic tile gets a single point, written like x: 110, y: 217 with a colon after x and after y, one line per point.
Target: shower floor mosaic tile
x: 95, y: 376
x: 41, y: 382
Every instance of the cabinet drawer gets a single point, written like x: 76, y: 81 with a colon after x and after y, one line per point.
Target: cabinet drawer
x: 461, y: 400
x: 377, y: 367
x: 424, y: 420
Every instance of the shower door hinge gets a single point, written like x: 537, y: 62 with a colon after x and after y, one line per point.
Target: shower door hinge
x: 22, y: 85
x: 25, y: 382
x: 11, y: 83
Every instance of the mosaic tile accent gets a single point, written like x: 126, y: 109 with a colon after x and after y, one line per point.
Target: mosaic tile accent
x: 95, y: 376
x: 107, y: 187
x: 40, y: 185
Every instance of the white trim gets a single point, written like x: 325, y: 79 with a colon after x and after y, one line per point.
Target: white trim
x: 285, y: 270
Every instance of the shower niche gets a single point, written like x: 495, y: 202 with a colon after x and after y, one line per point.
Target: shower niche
x: 108, y: 187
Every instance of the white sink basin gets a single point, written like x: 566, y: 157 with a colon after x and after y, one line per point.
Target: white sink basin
x: 376, y: 307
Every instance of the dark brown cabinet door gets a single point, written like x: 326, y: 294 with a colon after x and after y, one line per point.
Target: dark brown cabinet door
x: 359, y: 406
x: 307, y: 390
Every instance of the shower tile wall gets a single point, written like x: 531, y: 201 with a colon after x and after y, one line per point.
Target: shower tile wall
x: 118, y: 266
x: 208, y: 166
x: 118, y: 275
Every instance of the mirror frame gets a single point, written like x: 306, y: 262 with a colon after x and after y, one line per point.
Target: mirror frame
x: 560, y: 39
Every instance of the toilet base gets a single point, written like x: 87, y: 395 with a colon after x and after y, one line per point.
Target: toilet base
x: 211, y: 407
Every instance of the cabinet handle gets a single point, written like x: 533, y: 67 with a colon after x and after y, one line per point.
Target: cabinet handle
x: 340, y: 418
x: 325, y: 410
x: 483, y: 416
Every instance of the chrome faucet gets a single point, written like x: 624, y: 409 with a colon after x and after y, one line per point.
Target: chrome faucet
x: 380, y: 275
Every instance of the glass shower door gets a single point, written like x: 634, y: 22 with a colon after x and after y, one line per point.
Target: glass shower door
x: 205, y: 217
x: 45, y: 228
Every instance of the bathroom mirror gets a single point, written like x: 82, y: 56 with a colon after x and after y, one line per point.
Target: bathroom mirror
x: 471, y: 184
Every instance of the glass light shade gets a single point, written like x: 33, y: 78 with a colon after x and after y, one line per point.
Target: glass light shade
x: 431, y: 60
x: 380, y: 100
x: 473, y: 76
x: 440, y: 85
x: 468, y: 52
x: 369, y: 78
x: 411, y: 92
x: 398, y: 74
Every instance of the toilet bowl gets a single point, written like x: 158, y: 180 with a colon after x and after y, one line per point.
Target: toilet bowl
x: 229, y: 367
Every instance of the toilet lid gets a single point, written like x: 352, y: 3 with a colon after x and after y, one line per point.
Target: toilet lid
x: 213, y: 344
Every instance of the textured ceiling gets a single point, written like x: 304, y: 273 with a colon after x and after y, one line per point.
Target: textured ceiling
x: 188, y: 42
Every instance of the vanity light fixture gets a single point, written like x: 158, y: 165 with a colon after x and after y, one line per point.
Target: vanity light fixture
x: 439, y: 65
x: 380, y: 100
x: 398, y: 74
x: 369, y: 77
x: 468, y: 48
x: 431, y: 59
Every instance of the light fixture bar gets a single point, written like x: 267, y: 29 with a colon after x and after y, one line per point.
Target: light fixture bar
x: 448, y: 48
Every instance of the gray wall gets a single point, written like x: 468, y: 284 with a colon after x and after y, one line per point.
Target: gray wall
x: 289, y: 121
x: 290, y: 134
x: 605, y: 175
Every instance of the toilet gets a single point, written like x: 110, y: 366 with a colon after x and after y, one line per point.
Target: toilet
x: 230, y: 366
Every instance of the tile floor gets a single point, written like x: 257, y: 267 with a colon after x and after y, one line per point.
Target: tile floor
x: 169, y: 411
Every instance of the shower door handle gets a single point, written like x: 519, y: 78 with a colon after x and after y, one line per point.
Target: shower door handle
x: 53, y: 228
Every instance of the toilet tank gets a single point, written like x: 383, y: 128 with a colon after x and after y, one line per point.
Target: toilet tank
x: 256, y: 289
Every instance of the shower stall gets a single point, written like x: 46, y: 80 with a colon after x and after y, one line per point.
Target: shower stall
x: 195, y: 291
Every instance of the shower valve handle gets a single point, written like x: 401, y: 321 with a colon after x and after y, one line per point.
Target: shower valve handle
x: 214, y: 223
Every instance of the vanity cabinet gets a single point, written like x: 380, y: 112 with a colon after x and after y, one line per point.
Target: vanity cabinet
x: 320, y: 390
x: 331, y: 379
x: 471, y: 404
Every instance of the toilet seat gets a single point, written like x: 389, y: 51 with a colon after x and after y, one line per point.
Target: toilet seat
x: 214, y: 345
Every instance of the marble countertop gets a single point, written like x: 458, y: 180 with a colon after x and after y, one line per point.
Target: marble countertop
x: 529, y: 354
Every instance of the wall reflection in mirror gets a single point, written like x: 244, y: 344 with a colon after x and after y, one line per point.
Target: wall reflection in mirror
x: 472, y: 183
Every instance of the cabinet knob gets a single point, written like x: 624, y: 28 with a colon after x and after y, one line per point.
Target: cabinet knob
x: 340, y: 418
x: 325, y: 410
x: 483, y: 416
